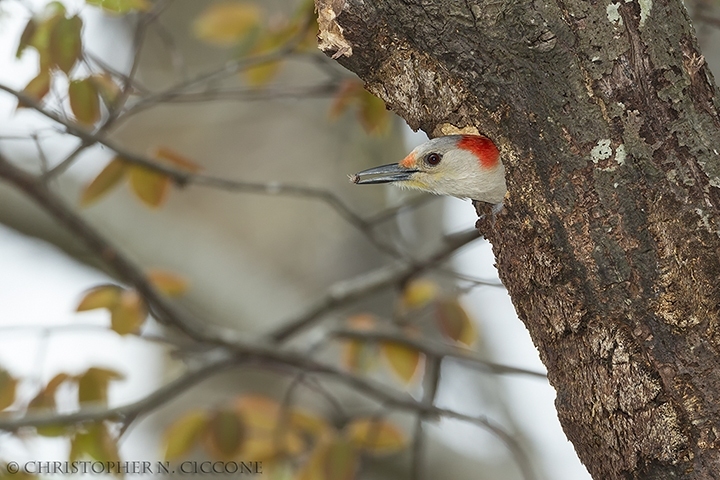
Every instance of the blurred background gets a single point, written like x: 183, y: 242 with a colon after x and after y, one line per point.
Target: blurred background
x: 252, y: 261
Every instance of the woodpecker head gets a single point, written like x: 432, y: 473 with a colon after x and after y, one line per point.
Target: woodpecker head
x: 465, y: 166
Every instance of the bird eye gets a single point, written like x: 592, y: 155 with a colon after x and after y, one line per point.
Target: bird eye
x: 433, y: 159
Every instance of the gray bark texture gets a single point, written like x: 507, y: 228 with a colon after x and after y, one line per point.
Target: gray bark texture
x: 606, y: 116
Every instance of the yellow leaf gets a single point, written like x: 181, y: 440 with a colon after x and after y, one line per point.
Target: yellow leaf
x: 227, y: 23
x: 65, y: 45
x: 168, y: 283
x: 403, y: 360
x: 174, y: 158
x: 129, y: 314
x: 418, y: 294
x: 84, y: 101
x: 455, y: 323
x: 150, y: 186
x: 37, y: 88
x: 225, y: 434
x: 108, y: 178
x: 121, y: 6
x: 107, y: 88
x: 94, y: 442
x: 309, y: 423
x: 376, y: 436
x: 183, y: 434
x: 104, y: 296
x: 264, y: 446
x: 8, y: 387
x: 93, y: 385
x: 341, y: 460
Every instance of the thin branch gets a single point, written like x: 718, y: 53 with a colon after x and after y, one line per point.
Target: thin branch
x: 183, y: 177
x: 347, y: 291
x: 144, y: 406
x: 435, y: 349
x: 265, y: 357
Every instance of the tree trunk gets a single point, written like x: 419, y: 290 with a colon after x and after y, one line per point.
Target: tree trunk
x: 606, y: 116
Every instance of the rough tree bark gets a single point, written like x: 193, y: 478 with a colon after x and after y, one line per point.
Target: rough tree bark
x: 607, y: 119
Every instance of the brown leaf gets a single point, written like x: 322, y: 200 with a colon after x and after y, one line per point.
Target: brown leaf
x: 184, y: 433
x: 26, y: 37
x: 8, y: 387
x: 345, y: 96
x: 227, y: 23
x: 168, y: 283
x: 84, y: 101
x: 175, y: 159
x: 403, y: 360
x: 65, y: 46
x: 375, y: 436
x: 454, y: 322
x: 129, y: 314
x: 358, y: 356
x: 106, y: 180
x: 37, y: 88
x: 373, y: 114
x: 225, y: 434
x: 150, y: 186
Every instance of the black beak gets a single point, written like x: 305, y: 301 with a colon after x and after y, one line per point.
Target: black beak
x: 393, y: 172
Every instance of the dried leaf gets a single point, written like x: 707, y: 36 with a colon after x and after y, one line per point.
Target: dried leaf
x: 65, y: 45
x: 93, y: 385
x: 227, y: 23
x: 150, y: 186
x: 175, y: 159
x: 121, y: 6
x: 107, y: 88
x: 184, y: 433
x: 373, y: 114
x: 375, y: 436
x: 84, y: 101
x: 225, y: 434
x: 403, y: 360
x: 454, y: 322
x: 26, y: 37
x: 37, y: 88
x: 358, y: 356
x: 106, y: 180
x: 345, y: 96
x: 8, y: 387
x: 168, y: 283
x: 129, y: 314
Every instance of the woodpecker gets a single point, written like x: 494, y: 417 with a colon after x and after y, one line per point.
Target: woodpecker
x: 463, y: 166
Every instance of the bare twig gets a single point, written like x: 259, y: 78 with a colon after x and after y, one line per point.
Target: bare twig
x: 183, y: 177
x: 348, y: 291
x: 436, y: 349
